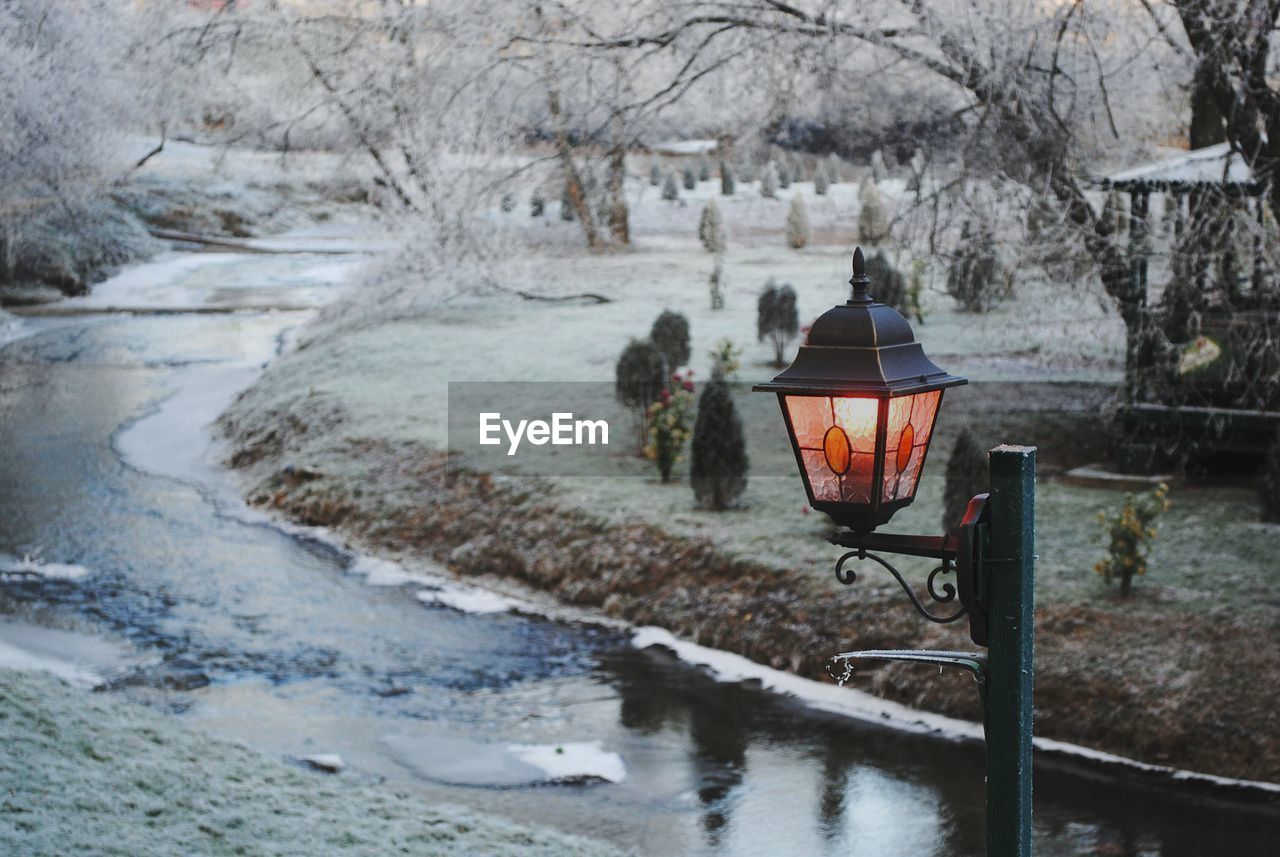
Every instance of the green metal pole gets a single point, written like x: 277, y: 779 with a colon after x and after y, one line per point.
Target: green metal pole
x: 1010, y: 582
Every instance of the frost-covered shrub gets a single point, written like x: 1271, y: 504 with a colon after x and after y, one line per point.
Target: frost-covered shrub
x: 1130, y: 534
x: 799, y: 233
x: 833, y: 168
x: 537, y: 204
x: 820, y: 183
x: 878, y: 169
x: 976, y: 279
x: 726, y: 359
x: 670, y: 335
x: 727, y: 184
x: 711, y: 228
x: 508, y: 202
x: 704, y: 169
x: 64, y: 98
x: 769, y: 181
x: 798, y: 170
x: 777, y: 318
x: 669, y: 190
x: 639, y: 377
x: 887, y: 285
x: 690, y: 179
x: 655, y: 174
x: 1269, y: 484
x: 967, y: 476
x: 717, y: 284
x: 718, y: 469
x: 873, y: 220
x: 784, y: 175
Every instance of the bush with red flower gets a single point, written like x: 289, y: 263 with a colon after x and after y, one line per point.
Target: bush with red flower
x: 670, y: 424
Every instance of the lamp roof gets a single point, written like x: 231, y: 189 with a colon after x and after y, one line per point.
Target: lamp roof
x: 860, y: 346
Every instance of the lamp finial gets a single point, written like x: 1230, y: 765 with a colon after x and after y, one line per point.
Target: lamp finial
x: 860, y: 280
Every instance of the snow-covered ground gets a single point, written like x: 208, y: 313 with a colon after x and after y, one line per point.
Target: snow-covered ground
x: 90, y: 774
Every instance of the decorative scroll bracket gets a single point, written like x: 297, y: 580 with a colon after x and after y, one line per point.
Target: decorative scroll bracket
x: 964, y: 550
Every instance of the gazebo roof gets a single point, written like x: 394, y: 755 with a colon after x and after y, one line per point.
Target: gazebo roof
x: 1217, y: 165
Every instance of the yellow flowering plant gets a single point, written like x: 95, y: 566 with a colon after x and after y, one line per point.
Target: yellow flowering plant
x: 1130, y: 535
x: 670, y: 421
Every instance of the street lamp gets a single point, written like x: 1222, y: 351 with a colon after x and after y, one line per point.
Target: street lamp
x: 860, y: 402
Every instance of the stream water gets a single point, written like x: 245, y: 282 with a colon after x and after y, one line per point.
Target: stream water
x: 186, y: 600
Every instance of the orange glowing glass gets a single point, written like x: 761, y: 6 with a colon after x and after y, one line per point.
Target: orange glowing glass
x: 836, y: 437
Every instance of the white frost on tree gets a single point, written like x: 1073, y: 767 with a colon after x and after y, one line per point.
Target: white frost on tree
x: 711, y: 228
x: 873, y: 220
x: 769, y: 181
x: 799, y: 232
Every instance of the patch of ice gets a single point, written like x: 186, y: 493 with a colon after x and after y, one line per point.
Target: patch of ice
x: 11, y: 327
x: 467, y: 600
x: 33, y: 566
x: 15, y: 658
x: 573, y: 761
x: 382, y: 572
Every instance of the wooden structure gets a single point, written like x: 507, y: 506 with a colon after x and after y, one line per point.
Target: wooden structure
x: 1203, y: 376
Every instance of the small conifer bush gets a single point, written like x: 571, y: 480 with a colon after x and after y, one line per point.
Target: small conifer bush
x: 887, y: 285
x: 670, y: 335
x: 669, y: 190
x: 833, y: 168
x: 777, y: 318
x: 967, y: 476
x: 640, y: 376
x: 799, y: 233
x: 878, y: 169
x: 704, y: 169
x: 711, y: 228
x: 718, y: 465
x: 820, y: 182
x: 769, y: 181
x: 537, y: 204
x: 727, y: 183
x: 873, y: 219
x: 690, y: 179
x: 976, y: 278
x: 655, y: 174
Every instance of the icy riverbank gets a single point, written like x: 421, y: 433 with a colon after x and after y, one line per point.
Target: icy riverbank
x: 85, y: 773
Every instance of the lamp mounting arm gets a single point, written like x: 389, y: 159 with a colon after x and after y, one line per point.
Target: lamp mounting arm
x: 964, y: 550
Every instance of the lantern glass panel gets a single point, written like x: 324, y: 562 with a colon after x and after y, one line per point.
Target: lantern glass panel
x: 837, y: 441
x: 910, y: 426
